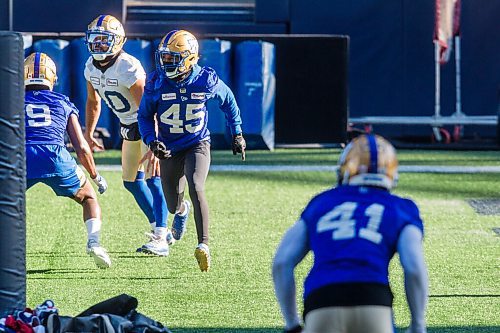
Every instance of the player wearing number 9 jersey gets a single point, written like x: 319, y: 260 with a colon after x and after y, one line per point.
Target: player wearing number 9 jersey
x: 48, y: 116
x: 118, y: 78
x: 176, y: 95
x: 354, y: 230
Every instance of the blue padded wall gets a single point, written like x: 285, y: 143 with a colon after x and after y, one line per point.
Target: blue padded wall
x: 107, y: 119
x: 255, y: 92
x: 142, y: 50
x: 59, y: 51
x: 216, y: 54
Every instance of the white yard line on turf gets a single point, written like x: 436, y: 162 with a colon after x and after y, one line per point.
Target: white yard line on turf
x: 300, y: 168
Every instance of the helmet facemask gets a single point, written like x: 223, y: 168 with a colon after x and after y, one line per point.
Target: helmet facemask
x: 105, y: 37
x: 177, y: 53
x: 173, y: 64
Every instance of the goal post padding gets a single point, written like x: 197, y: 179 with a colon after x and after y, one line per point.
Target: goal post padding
x: 12, y: 175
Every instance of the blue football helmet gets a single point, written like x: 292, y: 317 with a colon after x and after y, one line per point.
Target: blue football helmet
x: 177, y: 53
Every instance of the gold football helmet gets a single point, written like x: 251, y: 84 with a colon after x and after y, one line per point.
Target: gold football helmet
x: 40, y: 69
x: 105, y: 37
x: 177, y: 53
x: 368, y: 160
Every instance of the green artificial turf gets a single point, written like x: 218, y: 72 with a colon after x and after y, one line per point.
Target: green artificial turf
x: 249, y: 213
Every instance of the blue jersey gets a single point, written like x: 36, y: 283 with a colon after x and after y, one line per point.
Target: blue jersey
x: 46, y: 117
x: 181, y: 109
x: 353, y: 232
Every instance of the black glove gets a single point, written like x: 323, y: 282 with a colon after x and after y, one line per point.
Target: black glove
x: 239, y: 145
x: 159, y: 149
x: 296, y: 329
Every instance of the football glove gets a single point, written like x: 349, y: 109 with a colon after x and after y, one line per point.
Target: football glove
x: 296, y: 329
x: 159, y: 149
x: 239, y: 145
x: 101, y: 183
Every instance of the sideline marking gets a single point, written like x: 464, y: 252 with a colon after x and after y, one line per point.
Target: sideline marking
x: 325, y: 168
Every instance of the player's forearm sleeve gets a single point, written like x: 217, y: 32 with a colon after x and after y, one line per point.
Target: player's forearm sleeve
x: 145, y: 117
x: 228, y: 105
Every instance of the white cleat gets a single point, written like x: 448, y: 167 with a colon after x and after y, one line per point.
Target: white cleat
x: 156, y: 245
x: 99, y: 254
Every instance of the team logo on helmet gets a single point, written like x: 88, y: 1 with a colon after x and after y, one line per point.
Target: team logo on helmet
x: 368, y: 160
x: 40, y: 69
x: 105, y: 37
x: 177, y: 53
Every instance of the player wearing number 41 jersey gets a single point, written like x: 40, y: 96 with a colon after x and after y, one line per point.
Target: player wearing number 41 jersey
x: 176, y: 95
x: 49, y: 115
x: 118, y: 78
x: 354, y: 230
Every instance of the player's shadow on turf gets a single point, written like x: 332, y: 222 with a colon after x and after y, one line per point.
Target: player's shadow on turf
x: 463, y: 295
x: 59, y: 271
x: 55, y: 254
x: 131, y: 254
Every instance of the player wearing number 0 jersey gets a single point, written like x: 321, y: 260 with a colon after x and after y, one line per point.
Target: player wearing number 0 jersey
x: 176, y: 95
x: 354, y: 230
x: 113, y: 84
x: 48, y: 116
x: 118, y: 78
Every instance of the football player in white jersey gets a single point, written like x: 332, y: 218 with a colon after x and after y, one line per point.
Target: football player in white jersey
x: 119, y: 79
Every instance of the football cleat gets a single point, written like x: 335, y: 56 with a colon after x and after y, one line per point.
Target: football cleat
x: 177, y: 53
x: 99, y: 254
x: 368, y: 160
x: 179, y: 225
x: 156, y: 245
x: 40, y: 69
x: 202, y: 255
x: 105, y: 37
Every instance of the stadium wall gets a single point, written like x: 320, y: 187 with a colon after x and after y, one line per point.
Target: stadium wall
x: 62, y: 15
x: 4, y: 14
x: 391, y: 62
x: 391, y: 65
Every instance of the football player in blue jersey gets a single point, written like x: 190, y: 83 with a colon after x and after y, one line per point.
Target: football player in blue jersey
x: 118, y: 78
x: 176, y: 95
x: 354, y: 230
x: 48, y: 116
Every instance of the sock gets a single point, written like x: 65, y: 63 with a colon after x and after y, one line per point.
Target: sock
x: 152, y: 225
x: 142, y: 195
x: 159, y: 204
x: 185, y: 210
x: 161, y: 232
x: 93, y: 229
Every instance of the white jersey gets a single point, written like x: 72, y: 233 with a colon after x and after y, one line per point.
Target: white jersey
x: 114, y: 85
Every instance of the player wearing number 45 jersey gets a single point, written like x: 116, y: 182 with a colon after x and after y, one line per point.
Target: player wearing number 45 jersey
x: 118, y: 78
x: 354, y: 230
x: 176, y: 95
x: 49, y: 115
